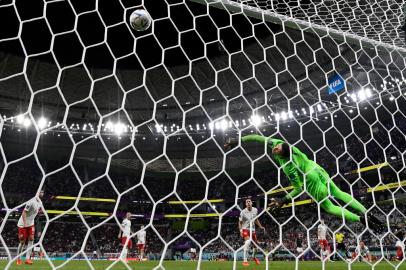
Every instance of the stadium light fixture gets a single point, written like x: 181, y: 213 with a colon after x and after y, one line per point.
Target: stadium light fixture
x: 284, y: 115
x: 256, y: 120
x: 211, y: 125
x: 361, y: 95
x: 42, y: 123
x: 109, y: 125
x: 27, y: 122
x: 368, y: 92
x: 20, y: 119
x: 119, y: 128
x: 353, y: 97
x: 224, y: 124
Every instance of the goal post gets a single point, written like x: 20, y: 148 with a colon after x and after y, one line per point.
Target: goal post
x: 294, y: 23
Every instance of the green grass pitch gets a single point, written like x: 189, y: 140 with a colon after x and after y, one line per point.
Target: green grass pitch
x: 183, y: 265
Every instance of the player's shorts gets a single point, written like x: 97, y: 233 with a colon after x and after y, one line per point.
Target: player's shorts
x: 140, y: 246
x: 299, y: 250
x: 324, y: 243
x: 246, y: 233
x: 26, y: 232
x: 129, y: 243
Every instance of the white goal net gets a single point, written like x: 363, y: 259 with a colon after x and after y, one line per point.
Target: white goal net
x: 107, y: 120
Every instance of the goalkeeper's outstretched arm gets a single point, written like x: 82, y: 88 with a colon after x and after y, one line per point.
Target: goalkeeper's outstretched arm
x: 255, y: 138
x: 281, y: 151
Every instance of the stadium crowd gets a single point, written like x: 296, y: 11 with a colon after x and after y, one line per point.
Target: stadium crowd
x: 63, y: 238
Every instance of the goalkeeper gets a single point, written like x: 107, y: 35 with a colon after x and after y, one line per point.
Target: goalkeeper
x: 301, y: 171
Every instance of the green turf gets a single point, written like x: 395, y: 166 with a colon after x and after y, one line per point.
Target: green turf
x: 176, y: 265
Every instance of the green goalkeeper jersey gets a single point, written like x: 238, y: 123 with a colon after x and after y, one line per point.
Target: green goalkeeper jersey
x: 301, y: 170
x: 293, y: 168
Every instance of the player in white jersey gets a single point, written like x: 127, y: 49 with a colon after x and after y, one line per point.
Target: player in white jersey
x: 193, y: 254
x: 141, y: 240
x: 124, y: 235
x: 246, y: 225
x: 363, y: 251
x: 26, y: 228
x: 322, y: 236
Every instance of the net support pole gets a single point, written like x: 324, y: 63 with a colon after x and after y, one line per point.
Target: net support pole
x: 298, y: 24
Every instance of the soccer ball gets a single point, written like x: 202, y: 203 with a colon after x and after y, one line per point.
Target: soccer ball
x: 140, y: 20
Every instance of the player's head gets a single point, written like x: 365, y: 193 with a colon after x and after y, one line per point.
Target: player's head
x: 128, y: 215
x: 41, y: 193
x: 142, y: 227
x: 248, y: 203
x: 322, y: 221
x: 362, y: 244
x: 282, y: 150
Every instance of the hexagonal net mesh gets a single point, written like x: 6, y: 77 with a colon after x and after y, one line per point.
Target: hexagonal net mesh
x: 299, y: 107
x: 376, y: 21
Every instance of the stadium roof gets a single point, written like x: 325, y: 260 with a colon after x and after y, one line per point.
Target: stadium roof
x: 200, y: 59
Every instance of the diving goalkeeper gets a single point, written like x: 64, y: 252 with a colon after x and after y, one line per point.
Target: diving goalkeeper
x: 301, y: 171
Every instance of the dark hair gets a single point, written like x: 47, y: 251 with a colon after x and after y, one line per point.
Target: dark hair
x: 285, y: 150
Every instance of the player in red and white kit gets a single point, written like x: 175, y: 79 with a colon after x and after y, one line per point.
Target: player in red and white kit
x: 400, y: 246
x: 26, y: 229
x: 246, y: 224
x: 124, y: 236
x: 322, y: 236
x: 141, y: 240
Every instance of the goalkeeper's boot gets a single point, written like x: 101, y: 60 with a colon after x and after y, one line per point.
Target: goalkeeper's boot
x: 245, y: 264
x: 257, y: 262
x: 19, y: 262
x: 28, y: 261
